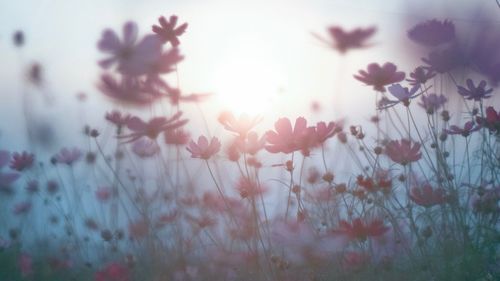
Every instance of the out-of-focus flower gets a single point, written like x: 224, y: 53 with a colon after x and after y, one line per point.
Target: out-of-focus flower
x: 469, y: 127
x: 176, y: 137
x: 355, y: 260
x: 35, y: 74
x: 133, y: 58
x: 420, y: 75
x: 403, y: 94
x: 204, y: 149
x: 325, y: 131
x: 432, y: 102
x: 153, y: 127
x: 168, y: 32
x: 22, y: 161
x: 175, y: 96
x: 129, y: 91
x: 18, y: 38
x: 22, y: 208
x: 103, y: 193
x: 360, y: 230
x: 6, y: 179
x: 287, y: 140
x: 433, y: 33
x: 113, y: 272
x: 117, y: 118
x: 427, y: 196
x: 138, y: 229
x: 379, y: 77
x: 491, y: 121
x: 475, y: 93
x: 68, y: 156
x: 445, y: 60
x: 52, y: 186
x: 25, y: 263
x: 487, y: 202
x: 403, y: 151
x: 249, y: 188
x: 344, y: 41
x: 240, y: 126
x: 145, y: 148
x: 166, y: 63
x: 32, y: 187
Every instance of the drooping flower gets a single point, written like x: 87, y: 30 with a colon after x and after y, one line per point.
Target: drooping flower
x: 153, y: 127
x: 433, y: 33
x: 469, y: 127
x: 113, y: 272
x: 133, y: 58
x: 475, y: 93
x: 427, y: 196
x: 432, y: 102
x: 167, y: 31
x: 240, y: 126
x: 379, y: 77
x: 403, y: 151
x: 420, y: 75
x: 361, y: 230
x: 145, y: 148
x: 204, y: 149
x: 22, y: 161
x: 128, y: 91
x: 344, y: 41
x: 491, y: 121
x: 287, y: 139
x: 68, y: 156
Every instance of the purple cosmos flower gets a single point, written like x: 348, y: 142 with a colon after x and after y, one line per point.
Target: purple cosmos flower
x: 344, y: 41
x: 68, y: 156
x: 475, y: 93
x: 145, y: 148
x: 22, y: 161
x: 432, y: 33
x: 128, y: 91
x: 446, y: 60
x: 432, y: 102
x: 468, y: 128
x: 168, y: 32
x: 421, y: 75
x: 153, y: 127
x: 6, y: 179
x: 379, y: 77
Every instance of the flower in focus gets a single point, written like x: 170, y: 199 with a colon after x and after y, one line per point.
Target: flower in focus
x: 287, y: 139
x: 240, y: 126
x: 68, y: 156
x: 167, y: 31
x: 344, y: 41
x: 468, y: 128
x: 22, y: 161
x: 133, y: 58
x: 379, y: 77
x: 432, y: 102
x: 420, y: 75
x: 433, y: 33
x: 360, y: 230
x: 113, y: 272
x: 403, y: 151
x: 491, y: 121
x: 475, y: 93
x: 203, y: 149
x: 145, y: 148
x: 427, y: 196
x: 153, y: 127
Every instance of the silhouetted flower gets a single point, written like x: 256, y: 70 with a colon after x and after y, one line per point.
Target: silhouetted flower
x: 427, y: 196
x: 468, y: 128
x: 432, y: 102
x: 344, y: 41
x: 132, y: 57
x: 403, y: 151
x: 153, y: 127
x: 421, y: 75
x: 433, y: 33
x: 168, y: 32
x: 203, y: 149
x: 288, y: 140
x: 491, y: 121
x: 22, y: 161
x: 379, y: 77
x: 475, y: 93
x: 403, y: 94
x: 68, y: 156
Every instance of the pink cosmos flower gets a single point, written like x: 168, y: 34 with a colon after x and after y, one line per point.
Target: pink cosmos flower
x: 240, y: 126
x: 469, y: 127
x: 25, y: 264
x: 6, y: 179
x: 113, y: 272
x: 403, y: 151
x: 432, y: 102
x: 427, y: 196
x: 153, y: 127
x: 251, y: 144
x: 168, y: 32
x: 325, y: 131
x: 475, y: 93
x: 491, y: 121
x: 344, y: 41
x: 129, y: 91
x: 379, y: 77
x: 433, y: 33
x: 176, y: 137
x: 103, y: 193
x: 117, y: 118
x: 360, y: 230
x: 421, y: 75
x: 145, y: 148
x: 203, y: 149
x: 133, y: 58
x: 287, y: 139
x: 166, y: 63
x: 22, y: 161
x: 21, y: 208
x: 68, y: 156
x: 249, y: 188
x: 32, y: 187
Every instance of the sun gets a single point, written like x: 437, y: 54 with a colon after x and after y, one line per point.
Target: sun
x: 247, y: 85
